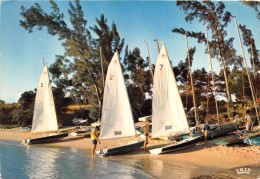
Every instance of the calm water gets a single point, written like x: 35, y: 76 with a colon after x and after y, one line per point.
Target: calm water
x: 18, y: 162
x: 41, y: 162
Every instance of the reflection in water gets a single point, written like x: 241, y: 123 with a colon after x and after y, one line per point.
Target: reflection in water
x: 155, y: 165
x: 160, y: 167
x: 115, y: 167
x: 91, y: 164
x: 74, y: 150
x: 21, y: 162
x: 41, y: 162
x: 37, y: 161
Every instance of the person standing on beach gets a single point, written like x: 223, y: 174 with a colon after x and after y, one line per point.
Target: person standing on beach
x: 146, y: 132
x: 94, y: 138
x: 206, y: 131
x: 249, y: 121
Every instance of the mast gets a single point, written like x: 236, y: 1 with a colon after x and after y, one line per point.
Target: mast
x: 149, y: 59
x: 207, y: 106
x: 102, y: 70
x: 248, y: 74
x: 212, y: 75
x: 103, y: 82
x: 157, y: 44
x: 243, y: 86
x: 253, y: 68
x: 192, y: 87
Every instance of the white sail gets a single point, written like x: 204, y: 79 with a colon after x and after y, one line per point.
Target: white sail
x: 117, y: 120
x: 168, y: 115
x: 44, y: 116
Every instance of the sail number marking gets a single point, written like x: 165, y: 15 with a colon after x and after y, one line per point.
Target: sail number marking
x: 111, y: 77
x: 161, y: 67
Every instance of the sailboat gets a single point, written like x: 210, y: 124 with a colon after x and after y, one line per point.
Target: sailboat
x: 44, y: 115
x: 168, y: 114
x: 117, y: 120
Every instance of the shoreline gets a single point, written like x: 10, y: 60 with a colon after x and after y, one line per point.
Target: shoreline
x: 204, y: 159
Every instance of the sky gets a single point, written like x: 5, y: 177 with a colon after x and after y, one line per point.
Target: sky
x: 22, y: 53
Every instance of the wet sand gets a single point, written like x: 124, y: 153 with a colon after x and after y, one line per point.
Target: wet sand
x: 201, y: 161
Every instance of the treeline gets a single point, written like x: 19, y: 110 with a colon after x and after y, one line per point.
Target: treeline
x: 77, y: 76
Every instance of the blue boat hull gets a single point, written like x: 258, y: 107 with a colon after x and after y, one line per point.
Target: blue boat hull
x: 253, y: 140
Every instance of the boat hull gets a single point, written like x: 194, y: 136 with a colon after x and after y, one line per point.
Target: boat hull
x: 81, y: 134
x: 120, y: 149
x: 253, y: 140
x: 230, y: 140
x: 222, y: 130
x: 183, y: 144
x: 46, y: 139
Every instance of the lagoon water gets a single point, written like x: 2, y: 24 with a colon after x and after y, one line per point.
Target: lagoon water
x: 18, y: 161
x: 21, y: 162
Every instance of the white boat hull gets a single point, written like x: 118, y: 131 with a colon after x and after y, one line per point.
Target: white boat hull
x: 183, y: 144
x: 120, y: 149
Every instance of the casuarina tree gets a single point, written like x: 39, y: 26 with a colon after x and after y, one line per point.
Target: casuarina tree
x: 216, y: 19
x: 77, y: 71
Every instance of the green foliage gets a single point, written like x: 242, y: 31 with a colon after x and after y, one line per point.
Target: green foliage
x: 249, y: 42
x: 20, y: 114
x: 5, y: 113
x: 139, y: 80
x: 216, y: 19
x: 23, y: 114
x: 77, y: 71
x: 255, y: 5
x: 22, y: 117
x: 27, y: 99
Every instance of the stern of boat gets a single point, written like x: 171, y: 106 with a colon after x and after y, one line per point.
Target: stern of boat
x: 101, y: 152
x: 26, y: 141
x: 156, y: 151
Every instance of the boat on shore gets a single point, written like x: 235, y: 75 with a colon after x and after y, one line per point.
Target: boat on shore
x: 252, y: 139
x: 230, y: 140
x: 44, y: 115
x: 46, y: 139
x: 82, y: 132
x: 177, y: 146
x: 117, y: 120
x: 222, y: 130
x: 168, y: 114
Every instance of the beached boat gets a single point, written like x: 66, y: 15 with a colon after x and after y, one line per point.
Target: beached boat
x: 44, y: 115
x: 117, y: 120
x: 229, y: 140
x: 144, y: 118
x: 168, y: 114
x: 253, y: 139
x: 222, y: 130
x: 82, y: 132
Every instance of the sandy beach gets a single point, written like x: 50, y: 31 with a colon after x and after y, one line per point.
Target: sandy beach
x: 204, y: 159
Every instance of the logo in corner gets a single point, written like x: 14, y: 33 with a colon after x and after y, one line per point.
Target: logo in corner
x: 244, y: 171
